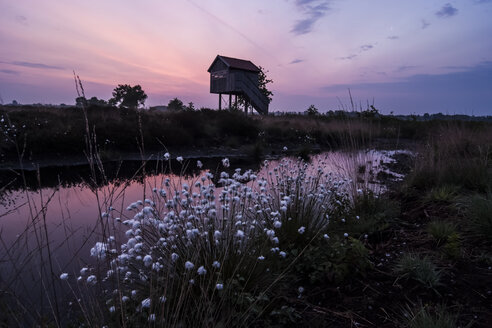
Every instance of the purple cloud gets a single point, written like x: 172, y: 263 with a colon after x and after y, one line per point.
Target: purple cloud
x: 447, y: 11
x: 313, y: 11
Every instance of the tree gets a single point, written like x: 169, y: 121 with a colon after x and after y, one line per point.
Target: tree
x: 81, y: 101
x: 97, y: 102
x: 175, y: 105
x: 126, y: 96
x: 312, y: 111
x: 263, y: 82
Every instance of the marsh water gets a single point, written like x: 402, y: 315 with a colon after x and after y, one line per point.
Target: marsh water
x: 51, y: 217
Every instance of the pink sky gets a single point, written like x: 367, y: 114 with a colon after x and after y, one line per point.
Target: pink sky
x: 411, y: 57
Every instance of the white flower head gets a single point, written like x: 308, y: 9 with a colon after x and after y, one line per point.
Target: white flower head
x: 301, y: 230
x: 326, y: 236
x: 261, y: 258
x: 216, y: 264
x: 179, y: 159
x: 147, y: 260
x: 199, y: 164
x: 345, y: 235
x: 201, y: 271
x: 146, y: 303
x: 240, y: 234
x: 285, y: 148
x: 174, y: 257
x: 64, y: 276
x: 189, y: 265
x: 225, y: 162
x: 166, y: 156
x: 219, y: 286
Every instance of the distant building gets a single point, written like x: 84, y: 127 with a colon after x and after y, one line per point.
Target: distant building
x: 234, y: 76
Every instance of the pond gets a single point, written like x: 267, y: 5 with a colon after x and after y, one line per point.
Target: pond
x: 51, y: 217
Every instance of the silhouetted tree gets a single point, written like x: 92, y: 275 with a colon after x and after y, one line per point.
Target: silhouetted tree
x: 97, y: 102
x: 175, y: 105
x: 263, y: 82
x: 126, y: 96
x: 80, y: 102
x: 312, y: 111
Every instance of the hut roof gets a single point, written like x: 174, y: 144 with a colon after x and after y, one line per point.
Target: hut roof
x: 236, y: 63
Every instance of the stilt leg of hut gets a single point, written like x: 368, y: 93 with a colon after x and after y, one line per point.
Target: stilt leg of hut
x: 230, y: 101
x: 220, y: 101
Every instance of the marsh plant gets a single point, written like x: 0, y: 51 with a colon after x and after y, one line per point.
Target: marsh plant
x: 213, y: 251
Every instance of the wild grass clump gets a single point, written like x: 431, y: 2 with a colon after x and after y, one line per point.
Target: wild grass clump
x: 479, y: 215
x: 428, y: 317
x: 454, y: 155
x: 203, y: 253
x: 442, y: 194
x: 421, y: 269
x: 441, y: 230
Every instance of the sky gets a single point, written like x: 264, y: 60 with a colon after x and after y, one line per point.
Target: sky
x: 405, y: 57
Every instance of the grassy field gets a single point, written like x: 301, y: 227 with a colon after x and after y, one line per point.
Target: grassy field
x: 39, y: 133
x: 293, y: 248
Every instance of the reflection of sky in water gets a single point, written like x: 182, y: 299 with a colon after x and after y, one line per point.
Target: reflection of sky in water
x: 74, y: 223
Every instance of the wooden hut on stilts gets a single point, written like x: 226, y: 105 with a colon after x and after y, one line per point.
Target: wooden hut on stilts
x: 233, y: 77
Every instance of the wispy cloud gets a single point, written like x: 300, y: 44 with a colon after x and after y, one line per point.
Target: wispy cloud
x: 9, y: 71
x: 393, y: 37
x: 482, y: 1
x: 366, y: 47
x: 447, y: 11
x: 296, y: 61
x: 34, y: 65
x: 349, y: 57
x: 405, y: 68
x: 21, y: 19
x: 424, y: 24
x: 313, y: 10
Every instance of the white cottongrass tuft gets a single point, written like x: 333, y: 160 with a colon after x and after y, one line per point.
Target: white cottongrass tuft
x: 225, y: 162
x: 174, y: 257
x: 179, y: 159
x: 146, y: 303
x: 147, y: 260
x: 301, y: 230
x: 99, y: 250
x: 261, y: 258
x: 201, y: 271
x: 64, y: 276
x: 283, y: 254
x: 345, y: 235
x: 91, y: 280
x: 326, y: 236
x: 216, y: 264
x: 189, y: 265
x: 219, y: 286
x: 199, y: 164
x: 240, y: 234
